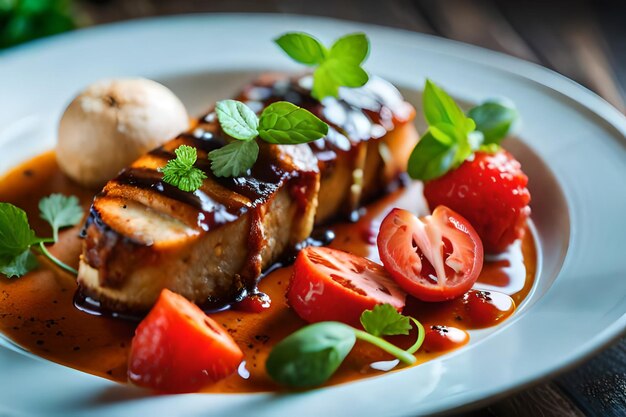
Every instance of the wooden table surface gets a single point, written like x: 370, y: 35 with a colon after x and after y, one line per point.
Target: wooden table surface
x: 584, y: 40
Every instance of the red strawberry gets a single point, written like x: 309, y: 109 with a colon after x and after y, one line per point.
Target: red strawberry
x: 490, y: 192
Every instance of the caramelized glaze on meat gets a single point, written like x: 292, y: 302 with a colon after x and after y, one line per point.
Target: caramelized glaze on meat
x: 144, y: 235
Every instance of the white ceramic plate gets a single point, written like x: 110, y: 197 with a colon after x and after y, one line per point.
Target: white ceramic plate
x: 572, y: 146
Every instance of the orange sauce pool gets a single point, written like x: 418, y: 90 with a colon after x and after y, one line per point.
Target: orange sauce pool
x: 37, y: 311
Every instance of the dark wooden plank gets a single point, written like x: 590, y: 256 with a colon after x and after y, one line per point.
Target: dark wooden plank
x: 105, y: 11
x: 545, y: 400
x: 397, y: 13
x: 599, y: 386
x: 569, y: 40
x: 611, y: 15
x: 477, y: 22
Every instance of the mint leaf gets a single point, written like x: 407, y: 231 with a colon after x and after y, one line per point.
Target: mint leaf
x: 338, y: 67
x: 457, y: 139
x: 345, y: 74
x: 352, y: 49
x: 280, y: 123
x: 431, y: 158
x: 451, y: 137
x: 302, y: 47
x: 439, y: 107
x: 234, y: 159
x: 237, y: 119
x: 324, y: 85
x: 60, y: 211
x: 181, y: 172
x: 384, y: 320
x: 286, y: 123
x: 19, y: 265
x: 494, y: 120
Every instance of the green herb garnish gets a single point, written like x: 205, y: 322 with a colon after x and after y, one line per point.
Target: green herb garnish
x: 339, y: 66
x: 384, y: 320
x: 18, y: 240
x: 310, y: 356
x: 452, y: 137
x: 181, y: 172
x: 280, y: 123
x: 234, y: 159
x: 237, y: 120
x: 494, y: 119
x: 23, y: 20
x: 60, y: 211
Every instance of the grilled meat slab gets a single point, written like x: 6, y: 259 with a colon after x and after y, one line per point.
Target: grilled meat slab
x: 144, y: 235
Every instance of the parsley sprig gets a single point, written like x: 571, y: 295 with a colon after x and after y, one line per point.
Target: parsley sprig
x: 453, y: 137
x: 181, y: 172
x: 310, y: 356
x: 337, y: 66
x: 18, y: 240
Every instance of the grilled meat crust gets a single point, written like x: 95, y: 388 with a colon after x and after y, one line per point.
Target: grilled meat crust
x: 144, y: 235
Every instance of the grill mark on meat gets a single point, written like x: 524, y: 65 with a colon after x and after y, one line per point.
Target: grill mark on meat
x: 353, y: 119
x: 211, y: 213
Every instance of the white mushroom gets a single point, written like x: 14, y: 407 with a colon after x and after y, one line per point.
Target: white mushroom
x: 113, y: 122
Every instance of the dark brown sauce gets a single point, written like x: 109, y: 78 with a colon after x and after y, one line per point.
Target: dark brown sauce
x: 356, y: 115
x: 38, y: 313
x: 211, y: 213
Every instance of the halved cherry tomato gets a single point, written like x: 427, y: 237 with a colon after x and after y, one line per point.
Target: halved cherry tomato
x: 487, y: 308
x: 444, y: 338
x: 329, y: 284
x: 178, y: 348
x: 433, y: 258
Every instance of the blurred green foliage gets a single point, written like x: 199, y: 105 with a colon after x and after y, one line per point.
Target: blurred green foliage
x: 24, y: 20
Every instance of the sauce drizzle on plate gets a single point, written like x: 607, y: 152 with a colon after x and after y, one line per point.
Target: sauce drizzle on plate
x: 37, y: 311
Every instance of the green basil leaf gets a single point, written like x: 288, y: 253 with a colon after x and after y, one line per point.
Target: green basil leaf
x: 346, y: 74
x: 16, y: 236
x: 384, y: 320
x: 302, y: 47
x: 439, y: 107
x: 324, y: 85
x: 234, y: 159
x: 494, y: 120
x: 431, y: 158
x: 351, y: 49
x: 18, y: 265
x: 285, y: 123
x: 455, y: 137
x: 237, y: 119
x: 311, y: 355
x: 60, y: 211
x: 338, y: 67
